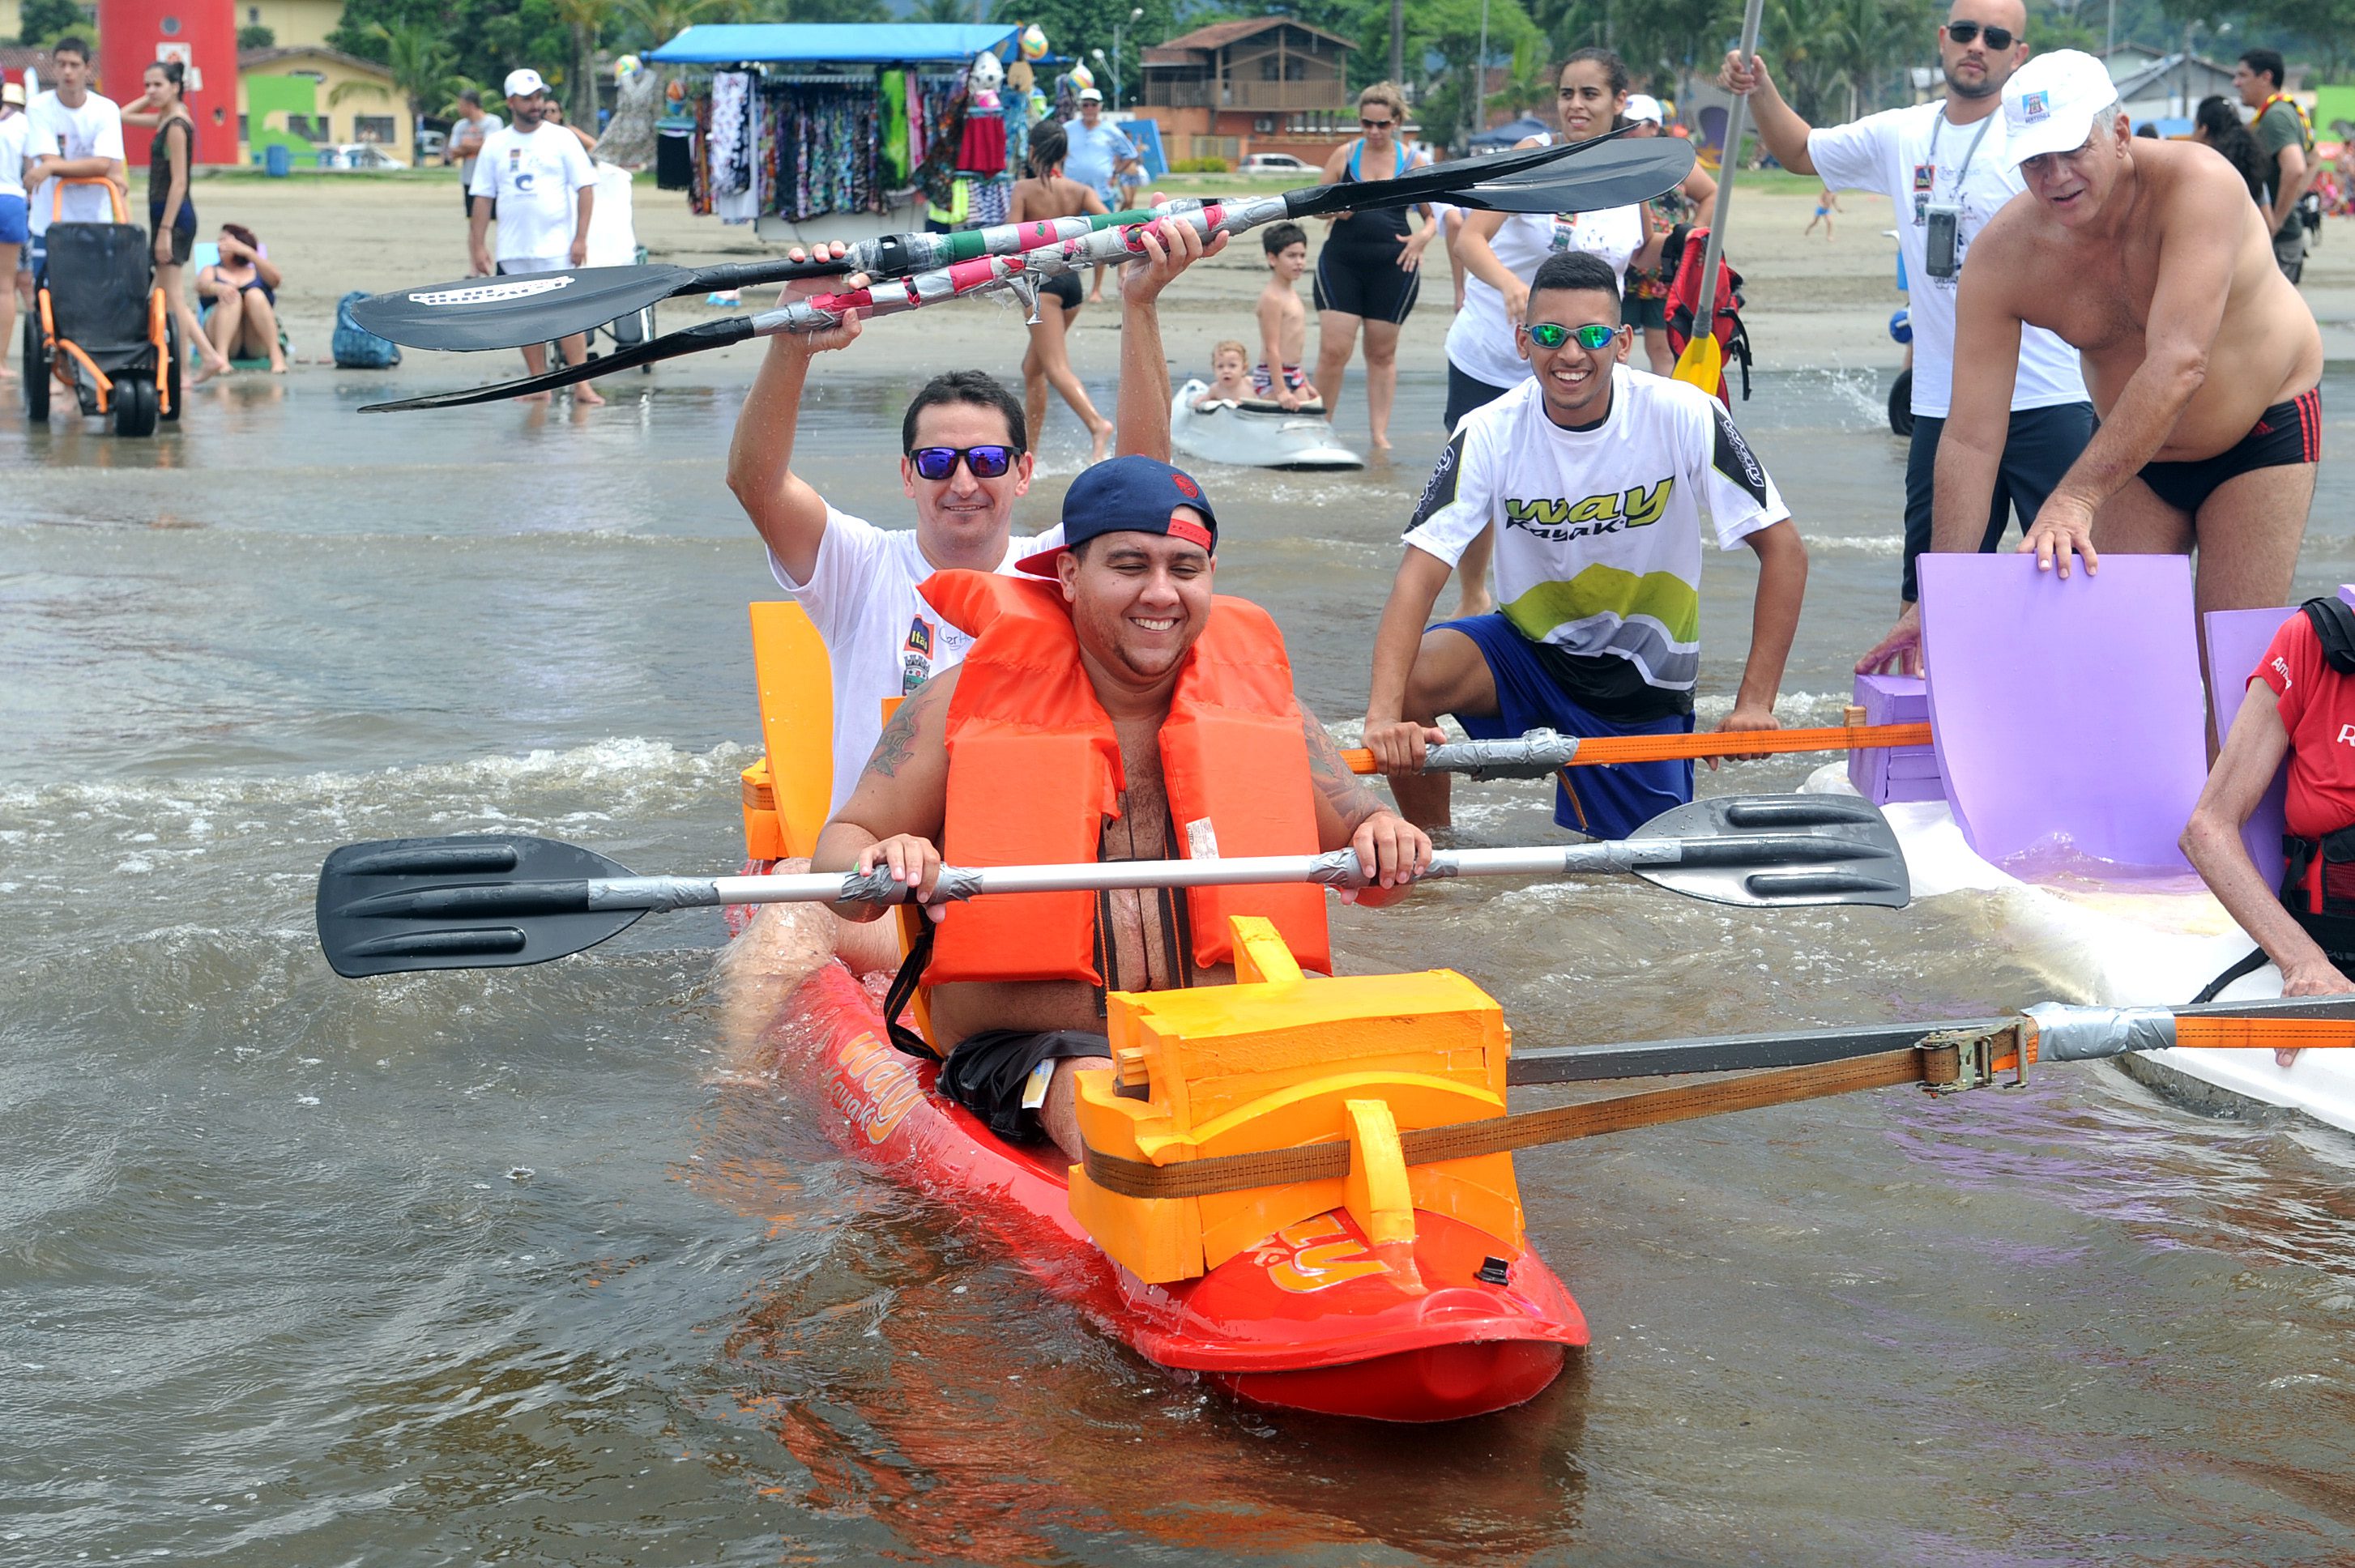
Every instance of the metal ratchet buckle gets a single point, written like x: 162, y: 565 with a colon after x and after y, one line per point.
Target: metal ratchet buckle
x: 1960, y: 1059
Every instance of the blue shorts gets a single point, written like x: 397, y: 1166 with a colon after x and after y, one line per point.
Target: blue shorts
x: 1606, y: 803
x: 12, y: 220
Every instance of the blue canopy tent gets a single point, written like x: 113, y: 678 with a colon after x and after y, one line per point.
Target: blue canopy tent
x: 1507, y: 136
x: 834, y: 43
x: 825, y: 84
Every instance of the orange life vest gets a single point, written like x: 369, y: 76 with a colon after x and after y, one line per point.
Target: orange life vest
x: 1035, y: 772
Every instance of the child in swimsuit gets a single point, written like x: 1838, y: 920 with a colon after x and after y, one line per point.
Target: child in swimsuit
x: 1231, y: 378
x: 1282, y: 322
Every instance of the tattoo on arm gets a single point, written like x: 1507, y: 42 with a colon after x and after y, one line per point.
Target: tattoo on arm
x: 1350, y: 800
x: 897, y: 744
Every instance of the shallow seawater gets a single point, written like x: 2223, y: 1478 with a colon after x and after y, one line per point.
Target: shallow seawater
x: 525, y: 1266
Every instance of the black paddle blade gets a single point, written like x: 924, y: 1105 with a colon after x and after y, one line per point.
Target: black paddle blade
x: 1608, y: 174
x: 475, y: 313
x: 1768, y: 851
x: 670, y: 345
x: 1436, y: 182
x: 477, y: 901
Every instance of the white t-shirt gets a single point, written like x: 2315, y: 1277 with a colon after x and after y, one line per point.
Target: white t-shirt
x: 14, y: 132
x: 1890, y: 154
x: 92, y: 130
x: 1480, y: 342
x: 1598, y: 532
x: 532, y: 174
x: 881, y: 637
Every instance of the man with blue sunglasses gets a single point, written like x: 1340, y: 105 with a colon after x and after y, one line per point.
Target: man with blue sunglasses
x: 965, y: 461
x: 1596, y: 477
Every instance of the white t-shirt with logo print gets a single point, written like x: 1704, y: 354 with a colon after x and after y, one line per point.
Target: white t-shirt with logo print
x: 533, y: 176
x: 1599, y: 531
x: 1480, y: 340
x: 881, y: 637
x: 1914, y: 158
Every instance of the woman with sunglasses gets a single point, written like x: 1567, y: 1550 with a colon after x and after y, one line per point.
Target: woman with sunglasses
x: 1500, y: 253
x: 1943, y: 165
x: 1371, y: 266
x: 1047, y: 193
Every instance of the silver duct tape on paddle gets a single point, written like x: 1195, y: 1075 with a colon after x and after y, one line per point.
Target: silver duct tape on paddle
x: 1533, y: 755
x: 2070, y: 1034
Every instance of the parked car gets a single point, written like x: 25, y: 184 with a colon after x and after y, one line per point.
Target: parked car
x: 357, y: 155
x: 430, y: 144
x: 1274, y: 163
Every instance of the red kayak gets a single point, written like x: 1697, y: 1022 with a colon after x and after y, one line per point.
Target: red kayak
x: 1310, y: 1319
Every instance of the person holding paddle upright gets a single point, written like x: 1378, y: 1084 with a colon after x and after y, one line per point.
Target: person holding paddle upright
x: 965, y: 461
x: 1943, y: 165
x: 1594, y: 476
x: 1111, y: 709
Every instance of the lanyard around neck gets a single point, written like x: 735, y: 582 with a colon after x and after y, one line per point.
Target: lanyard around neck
x: 1968, y: 153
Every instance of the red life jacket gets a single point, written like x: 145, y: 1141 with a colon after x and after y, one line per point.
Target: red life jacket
x: 1681, y: 256
x: 1035, y: 771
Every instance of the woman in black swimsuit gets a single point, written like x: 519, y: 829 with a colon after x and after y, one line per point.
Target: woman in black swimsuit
x: 1371, y: 264
x: 171, y: 216
x: 243, y: 287
x: 1047, y: 194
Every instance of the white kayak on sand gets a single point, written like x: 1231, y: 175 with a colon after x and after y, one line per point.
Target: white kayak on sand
x: 1255, y: 434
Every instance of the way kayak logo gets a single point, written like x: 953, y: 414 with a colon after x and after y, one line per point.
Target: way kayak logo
x: 1639, y: 507
x: 485, y: 293
x: 878, y: 1087
x: 1316, y: 1254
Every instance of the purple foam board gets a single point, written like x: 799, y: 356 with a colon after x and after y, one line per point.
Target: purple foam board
x: 1883, y: 774
x: 2067, y: 712
x: 2236, y: 640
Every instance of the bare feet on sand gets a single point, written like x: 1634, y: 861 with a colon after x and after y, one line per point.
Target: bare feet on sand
x: 586, y: 396
x: 1102, y: 438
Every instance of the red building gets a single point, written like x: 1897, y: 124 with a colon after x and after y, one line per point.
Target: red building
x: 202, y: 36
x: 1268, y: 85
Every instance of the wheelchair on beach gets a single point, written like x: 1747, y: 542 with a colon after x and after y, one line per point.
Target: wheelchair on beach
x: 99, y: 324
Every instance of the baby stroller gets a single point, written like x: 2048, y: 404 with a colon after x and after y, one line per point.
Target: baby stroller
x: 97, y: 315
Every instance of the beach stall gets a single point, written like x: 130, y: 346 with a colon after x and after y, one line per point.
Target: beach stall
x: 846, y: 130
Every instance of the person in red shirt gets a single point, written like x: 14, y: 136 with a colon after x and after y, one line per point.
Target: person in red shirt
x: 2301, y: 705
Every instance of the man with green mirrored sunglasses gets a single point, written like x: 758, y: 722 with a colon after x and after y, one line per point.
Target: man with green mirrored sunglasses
x: 1594, y: 477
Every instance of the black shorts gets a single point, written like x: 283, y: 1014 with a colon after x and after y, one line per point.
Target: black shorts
x: 2285, y: 434
x: 1063, y: 286
x: 183, y: 239
x: 1370, y: 285
x: 988, y: 1072
x: 1643, y: 314
x: 1466, y: 393
x: 2039, y: 445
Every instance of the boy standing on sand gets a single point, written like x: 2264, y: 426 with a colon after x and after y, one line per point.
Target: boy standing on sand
x: 1282, y: 323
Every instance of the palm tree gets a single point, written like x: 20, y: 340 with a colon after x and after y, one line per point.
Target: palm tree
x: 950, y: 11
x: 420, y: 63
x: 663, y: 20
x: 586, y: 19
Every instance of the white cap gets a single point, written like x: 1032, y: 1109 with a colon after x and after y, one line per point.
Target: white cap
x: 1644, y: 106
x: 2049, y: 104
x: 1090, y: 95
x: 524, y: 82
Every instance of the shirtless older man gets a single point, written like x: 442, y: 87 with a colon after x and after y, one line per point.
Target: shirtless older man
x: 2203, y: 361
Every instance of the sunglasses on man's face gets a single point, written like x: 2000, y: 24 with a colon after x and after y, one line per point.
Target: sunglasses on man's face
x: 1997, y: 38
x: 1553, y: 334
x: 940, y: 462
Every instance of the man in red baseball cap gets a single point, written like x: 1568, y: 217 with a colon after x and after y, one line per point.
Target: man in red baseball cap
x: 1112, y: 707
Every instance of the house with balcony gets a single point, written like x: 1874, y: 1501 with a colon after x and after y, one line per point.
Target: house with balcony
x: 1266, y: 85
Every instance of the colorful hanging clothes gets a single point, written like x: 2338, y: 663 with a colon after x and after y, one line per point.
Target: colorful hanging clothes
x: 981, y: 150
x: 731, y: 132
x: 896, y: 85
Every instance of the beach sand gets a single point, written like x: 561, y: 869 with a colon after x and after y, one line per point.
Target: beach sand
x: 1812, y: 303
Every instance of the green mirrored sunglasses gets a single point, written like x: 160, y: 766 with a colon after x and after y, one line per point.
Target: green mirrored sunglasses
x: 1553, y: 334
